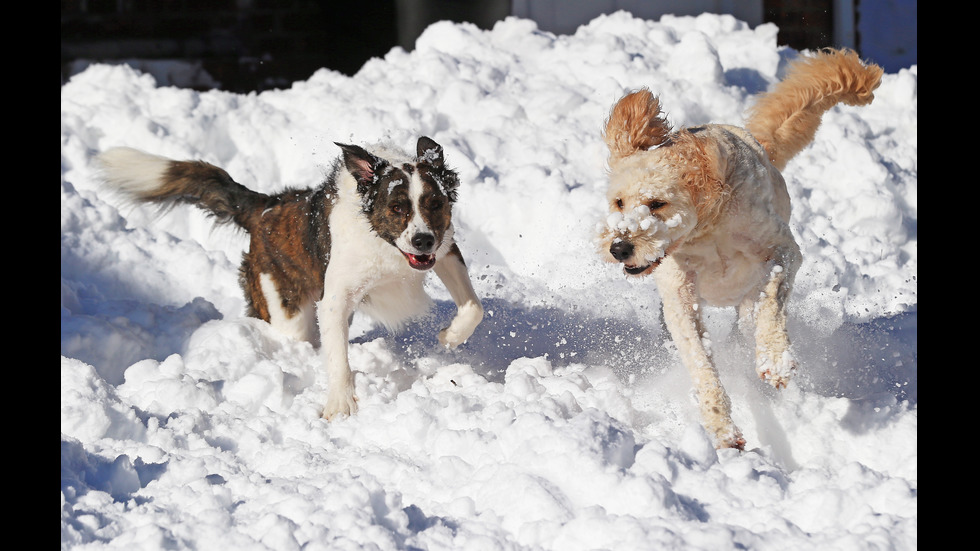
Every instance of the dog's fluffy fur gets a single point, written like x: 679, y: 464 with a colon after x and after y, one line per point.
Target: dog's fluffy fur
x: 363, y: 239
x: 705, y: 210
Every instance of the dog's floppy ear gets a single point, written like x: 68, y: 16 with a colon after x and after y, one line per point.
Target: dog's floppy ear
x: 635, y: 124
x: 362, y: 165
x: 706, y: 165
x: 428, y: 151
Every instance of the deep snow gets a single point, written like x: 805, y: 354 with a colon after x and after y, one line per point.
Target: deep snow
x: 566, y: 422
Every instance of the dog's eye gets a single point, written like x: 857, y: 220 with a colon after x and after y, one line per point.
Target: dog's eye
x: 435, y: 204
x: 654, y: 205
x: 399, y: 209
x: 619, y: 203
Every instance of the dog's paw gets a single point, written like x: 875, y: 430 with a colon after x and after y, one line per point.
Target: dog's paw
x: 777, y: 372
x: 777, y: 381
x: 462, y: 326
x: 735, y: 442
x: 449, y: 338
x: 340, y: 403
x: 727, y: 435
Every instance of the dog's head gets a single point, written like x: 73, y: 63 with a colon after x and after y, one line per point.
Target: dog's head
x: 662, y: 185
x: 408, y: 202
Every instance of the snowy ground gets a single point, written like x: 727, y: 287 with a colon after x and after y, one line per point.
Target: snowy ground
x: 566, y: 422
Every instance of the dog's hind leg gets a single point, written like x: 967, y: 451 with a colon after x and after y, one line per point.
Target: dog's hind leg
x: 775, y: 363
x: 469, y: 312
x: 298, y: 323
x: 683, y: 317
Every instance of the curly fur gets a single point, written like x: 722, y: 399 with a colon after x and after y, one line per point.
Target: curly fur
x: 705, y: 211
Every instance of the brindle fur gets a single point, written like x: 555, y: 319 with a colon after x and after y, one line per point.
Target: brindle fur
x: 289, y: 234
x: 362, y: 239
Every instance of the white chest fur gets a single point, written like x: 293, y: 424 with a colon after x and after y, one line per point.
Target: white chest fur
x: 372, y: 273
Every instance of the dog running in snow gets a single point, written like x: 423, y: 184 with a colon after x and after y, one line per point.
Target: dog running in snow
x: 363, y: 239
x: 705, y: 210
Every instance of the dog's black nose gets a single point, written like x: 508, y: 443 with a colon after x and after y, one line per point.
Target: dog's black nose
x: 423, y: 241
x: 621, y: 250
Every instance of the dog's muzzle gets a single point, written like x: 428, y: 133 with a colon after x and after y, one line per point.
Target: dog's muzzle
x: 623, y: 252
x: 422, y: 260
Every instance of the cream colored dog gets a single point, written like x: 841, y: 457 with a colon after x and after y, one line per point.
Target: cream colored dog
x: 705, y: 210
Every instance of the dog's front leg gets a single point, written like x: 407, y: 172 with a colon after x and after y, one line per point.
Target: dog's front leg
x: 774, y: 359
x: 681, y: 308
x: 333, y: 314
x: 469, y: 312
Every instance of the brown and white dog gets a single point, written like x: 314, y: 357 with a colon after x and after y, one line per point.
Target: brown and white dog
x: 363, y: 239
x: 705, y: 210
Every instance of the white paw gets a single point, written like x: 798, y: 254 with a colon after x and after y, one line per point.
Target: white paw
x: 341, y: 402
x: 449, y: 338
x: 462, y: 326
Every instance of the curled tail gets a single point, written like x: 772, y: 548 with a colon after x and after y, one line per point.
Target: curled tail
x: 166, y: 183
x: 785, y: 119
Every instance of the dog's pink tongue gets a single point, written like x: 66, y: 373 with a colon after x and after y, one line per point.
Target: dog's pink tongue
x: 421, y: 261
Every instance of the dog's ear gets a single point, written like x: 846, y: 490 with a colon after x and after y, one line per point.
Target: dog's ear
x: 635, y: 124
x: 431, y: 154
x: 362, y: 165
x: 707, y: 164
x: 428, y: 151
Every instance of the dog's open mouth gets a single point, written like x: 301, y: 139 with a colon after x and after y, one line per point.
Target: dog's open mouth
x: 420, y: 261
x: 647, y: 269
x: 641, y: 270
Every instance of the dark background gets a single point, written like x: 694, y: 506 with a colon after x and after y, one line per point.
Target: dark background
x: 252, y: 45
x: 243, y: 45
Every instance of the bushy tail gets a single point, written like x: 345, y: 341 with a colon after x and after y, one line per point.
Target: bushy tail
x: 785, y: 119
x: 166, y: 183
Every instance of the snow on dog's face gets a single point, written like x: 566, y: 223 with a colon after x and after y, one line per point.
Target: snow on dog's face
x: 662, y: 184
x: 649, y: 213
x: 407, y: 202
